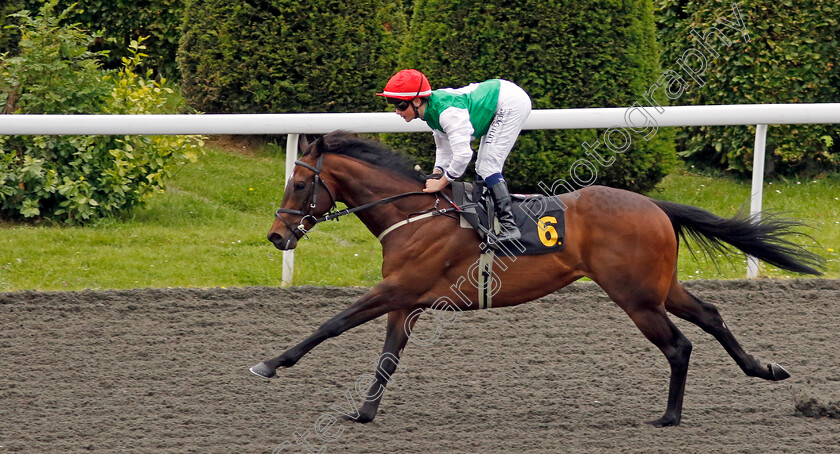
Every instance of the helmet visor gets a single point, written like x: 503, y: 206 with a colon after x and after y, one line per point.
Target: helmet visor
x: 399, y: 104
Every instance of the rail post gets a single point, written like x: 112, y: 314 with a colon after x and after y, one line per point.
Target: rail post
x: 291, y: 157
x: 757, y: 189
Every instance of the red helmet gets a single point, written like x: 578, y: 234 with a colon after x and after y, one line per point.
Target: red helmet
x: 407, y: 84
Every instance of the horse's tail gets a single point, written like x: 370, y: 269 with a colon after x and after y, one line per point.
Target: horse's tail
x: 764, y: 238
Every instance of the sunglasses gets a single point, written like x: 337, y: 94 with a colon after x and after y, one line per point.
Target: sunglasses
x: 399, y: 104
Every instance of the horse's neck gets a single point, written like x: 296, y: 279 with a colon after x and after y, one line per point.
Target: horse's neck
x: 360, y: 186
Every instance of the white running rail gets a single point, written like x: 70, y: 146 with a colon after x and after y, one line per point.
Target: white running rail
x: 322, y: 123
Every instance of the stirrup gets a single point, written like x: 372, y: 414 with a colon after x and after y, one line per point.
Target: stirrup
x: 508, y: 236
x: 504, y: 235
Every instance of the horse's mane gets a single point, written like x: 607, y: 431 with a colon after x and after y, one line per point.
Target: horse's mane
x: 370, y: 151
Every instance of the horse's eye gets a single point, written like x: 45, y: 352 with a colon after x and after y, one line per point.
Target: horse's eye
x: 299, y: 185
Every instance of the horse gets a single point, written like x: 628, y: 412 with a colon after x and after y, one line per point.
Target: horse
x: 625, y: 242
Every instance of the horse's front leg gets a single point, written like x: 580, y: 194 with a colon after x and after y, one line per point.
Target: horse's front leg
x: 396, y: 336
x: 378, y: 301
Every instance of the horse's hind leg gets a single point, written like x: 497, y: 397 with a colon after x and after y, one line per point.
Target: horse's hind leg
x: 688, y: 307
x: 654, y: 324
x: 397, y: 332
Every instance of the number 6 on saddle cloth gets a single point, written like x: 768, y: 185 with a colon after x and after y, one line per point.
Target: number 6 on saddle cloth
x: 539, y: 218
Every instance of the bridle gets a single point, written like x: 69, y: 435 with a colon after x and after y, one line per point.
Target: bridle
x: 312, y: 201
x: 300, y: 231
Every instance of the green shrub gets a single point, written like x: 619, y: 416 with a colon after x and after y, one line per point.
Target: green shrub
x: 76, y: 179
x: 118, y: 23
x: 791, y: 57
x: 595, y: 53
x: 9, y: 36
x: 288, y: 55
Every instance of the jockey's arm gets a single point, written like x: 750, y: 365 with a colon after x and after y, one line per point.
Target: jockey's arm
x: 458, y: 133
x: 443, y: 153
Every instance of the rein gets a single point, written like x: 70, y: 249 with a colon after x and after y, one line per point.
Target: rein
x: 335, y: 215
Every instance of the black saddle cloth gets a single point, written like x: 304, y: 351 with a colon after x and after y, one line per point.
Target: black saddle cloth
x: 540, y: 219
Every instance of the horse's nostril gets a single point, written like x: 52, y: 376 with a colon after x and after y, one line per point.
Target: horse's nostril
x: 275, y: 238
x: 280, y: 241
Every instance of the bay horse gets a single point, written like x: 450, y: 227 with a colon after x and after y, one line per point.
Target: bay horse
x: 625, y: 242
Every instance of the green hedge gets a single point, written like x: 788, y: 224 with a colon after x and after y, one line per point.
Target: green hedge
x: 288, y: 55
x: 118, y: 22
x: 791, y: 57
x: 78, y: 179
x: 9, y: 34
x: 565, y: 54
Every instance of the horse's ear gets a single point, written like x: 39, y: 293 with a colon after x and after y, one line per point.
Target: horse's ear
x: 317, y: 147
x: 303, y: 143
x: 310, y: 148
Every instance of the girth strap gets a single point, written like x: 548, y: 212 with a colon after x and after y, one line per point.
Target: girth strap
x: 485, y: 278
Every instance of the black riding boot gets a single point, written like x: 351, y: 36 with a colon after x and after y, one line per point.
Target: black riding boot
x: 501, y: 197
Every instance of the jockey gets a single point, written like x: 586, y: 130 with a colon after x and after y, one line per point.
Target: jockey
x: 494, y: 110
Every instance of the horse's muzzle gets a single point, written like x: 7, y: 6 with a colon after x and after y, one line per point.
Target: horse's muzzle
x: 282, y: 242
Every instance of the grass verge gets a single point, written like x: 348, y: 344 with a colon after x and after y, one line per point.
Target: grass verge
x: 208, y: 230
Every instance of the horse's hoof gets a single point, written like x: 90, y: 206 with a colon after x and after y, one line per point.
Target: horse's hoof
x: 664, y: 421
x: 263, y: 370
x: 777, y: 372
x: 361, y: 418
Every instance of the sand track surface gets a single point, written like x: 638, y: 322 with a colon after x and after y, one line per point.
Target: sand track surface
x: 166, y: 371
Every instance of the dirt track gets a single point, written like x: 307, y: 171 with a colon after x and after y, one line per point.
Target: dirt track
x: 164, y: 371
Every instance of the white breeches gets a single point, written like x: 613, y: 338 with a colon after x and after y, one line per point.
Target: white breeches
x: 512, y: 111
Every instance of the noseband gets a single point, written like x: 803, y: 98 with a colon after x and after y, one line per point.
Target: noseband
x: 301, y: 230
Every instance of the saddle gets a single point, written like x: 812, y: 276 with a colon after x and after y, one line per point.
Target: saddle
x: 540, y: 219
